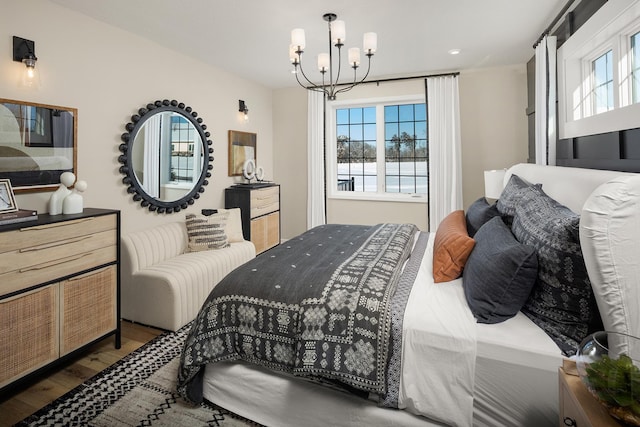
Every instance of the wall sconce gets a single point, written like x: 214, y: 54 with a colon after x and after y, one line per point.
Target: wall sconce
x: 25, y: 51
x: 242, y: 107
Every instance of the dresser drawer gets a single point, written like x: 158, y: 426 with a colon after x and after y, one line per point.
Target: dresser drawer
x: 44, y: 234
x: 67, y: 261
x: 264, y: 201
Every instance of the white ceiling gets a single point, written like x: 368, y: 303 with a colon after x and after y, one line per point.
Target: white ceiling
x: 251, y: 38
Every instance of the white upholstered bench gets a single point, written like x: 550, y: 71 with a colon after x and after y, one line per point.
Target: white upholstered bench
x: 164, y: 286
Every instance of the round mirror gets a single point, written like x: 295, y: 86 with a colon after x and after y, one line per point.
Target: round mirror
x: 166, y: 156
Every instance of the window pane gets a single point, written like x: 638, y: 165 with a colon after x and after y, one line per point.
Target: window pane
x: 406, y: 131
x: 355, y: 132
x: 421, y: 112
x: 369, y: 115
x: 406, y: 113
x: 355, y: 115
x: 421, y: 130
x: 342, y: 116
x: 603, y: 83
x: 391, y: 113
x: 392, y: 184
x: 370, y: 132
x: 390, y: 131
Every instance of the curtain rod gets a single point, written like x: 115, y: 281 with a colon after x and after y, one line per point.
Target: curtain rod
x: 393, y: 79
x: 554, y: 22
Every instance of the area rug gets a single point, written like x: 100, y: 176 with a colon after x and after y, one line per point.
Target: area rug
x: 138, y: 390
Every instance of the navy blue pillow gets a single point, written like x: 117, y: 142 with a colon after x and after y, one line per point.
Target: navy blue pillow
x: 562, y: 302
x: 499, y: 274
x: 478, y: 214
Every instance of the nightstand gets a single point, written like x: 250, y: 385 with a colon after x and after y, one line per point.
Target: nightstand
x: 260, y: 212
x: 578, y: 407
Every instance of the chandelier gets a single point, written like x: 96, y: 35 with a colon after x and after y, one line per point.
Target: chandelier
x: 337, y: 37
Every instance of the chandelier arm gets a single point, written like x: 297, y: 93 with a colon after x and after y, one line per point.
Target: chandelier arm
x: 348, y: 88
x: 334, y: 85
x: 304, y: 75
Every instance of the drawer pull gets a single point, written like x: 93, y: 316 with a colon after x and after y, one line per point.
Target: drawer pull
x: 54, y: 263
x: 60, y: 224
x: 54, y: 244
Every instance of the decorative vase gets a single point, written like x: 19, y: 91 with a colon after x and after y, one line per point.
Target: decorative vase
x: 609, y: 365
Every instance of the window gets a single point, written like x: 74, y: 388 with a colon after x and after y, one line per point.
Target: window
x: 405, y: 128
x: 379, y: 149
x: 603, y: 83
x: 182, y: 140
x: 635, y: 67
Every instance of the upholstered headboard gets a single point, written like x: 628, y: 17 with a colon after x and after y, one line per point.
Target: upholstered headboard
x: 609, y: 206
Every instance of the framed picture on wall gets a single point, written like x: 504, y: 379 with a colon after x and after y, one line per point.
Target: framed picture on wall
x: 242, y: 147
x: 7, y: 199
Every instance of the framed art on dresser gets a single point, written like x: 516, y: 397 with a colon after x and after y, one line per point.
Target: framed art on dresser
x: 7, y: 199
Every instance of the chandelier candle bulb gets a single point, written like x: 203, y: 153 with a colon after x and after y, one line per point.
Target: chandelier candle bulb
x: 354, y: 57
x: 339, y: 32
x: 323, y: 62
x: 370, y: 43
x: 297, y: 38
x: 293, y: 54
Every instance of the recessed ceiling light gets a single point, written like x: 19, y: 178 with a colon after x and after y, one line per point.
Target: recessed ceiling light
x: 454, y: 51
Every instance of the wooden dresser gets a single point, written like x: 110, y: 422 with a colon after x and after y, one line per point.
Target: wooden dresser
x: 260, y: 211
x: 59, y: 290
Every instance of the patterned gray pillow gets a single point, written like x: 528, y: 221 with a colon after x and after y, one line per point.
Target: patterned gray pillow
x: 515, y: 190
x: 206, y: 232
x: 562, y: 301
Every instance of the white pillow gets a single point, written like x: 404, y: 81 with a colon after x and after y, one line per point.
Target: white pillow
x: 234, y: 225
x: 610, y: 240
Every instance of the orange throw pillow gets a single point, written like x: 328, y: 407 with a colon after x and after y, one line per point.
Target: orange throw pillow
x: 451, y: 247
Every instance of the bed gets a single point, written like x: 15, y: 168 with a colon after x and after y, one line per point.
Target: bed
x: 446, y: 367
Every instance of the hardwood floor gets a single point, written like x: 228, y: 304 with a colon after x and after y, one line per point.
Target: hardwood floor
x: 68, y: 376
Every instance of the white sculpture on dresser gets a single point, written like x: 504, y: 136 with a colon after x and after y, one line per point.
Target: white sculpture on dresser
x: 57, y: 197
x: 73, y: 203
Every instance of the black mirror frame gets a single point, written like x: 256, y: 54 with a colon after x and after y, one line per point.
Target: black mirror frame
x: 134, y: 187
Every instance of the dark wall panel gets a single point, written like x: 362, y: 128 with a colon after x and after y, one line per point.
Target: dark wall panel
x: 603, y: 146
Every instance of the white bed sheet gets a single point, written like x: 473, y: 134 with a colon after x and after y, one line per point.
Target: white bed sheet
x: 514, y: 378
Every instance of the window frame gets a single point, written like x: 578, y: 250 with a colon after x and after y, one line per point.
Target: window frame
x: 609, y: 28
x: 331, y: 149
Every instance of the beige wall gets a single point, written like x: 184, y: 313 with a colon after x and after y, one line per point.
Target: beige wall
x: 493, y: 124
x: 290, y: 158
x: 493, y: 129
x: 107, y: 74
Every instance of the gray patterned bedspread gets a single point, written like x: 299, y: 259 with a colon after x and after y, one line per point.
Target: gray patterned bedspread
x: 317, y: 306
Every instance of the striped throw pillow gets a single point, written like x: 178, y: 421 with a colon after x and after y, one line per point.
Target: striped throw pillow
x: 206, y: 232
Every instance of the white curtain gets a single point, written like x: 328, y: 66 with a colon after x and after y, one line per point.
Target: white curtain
x: 445, y: 175
x: 315, y: 146
x: 151, y: 162
x: 546, y: 95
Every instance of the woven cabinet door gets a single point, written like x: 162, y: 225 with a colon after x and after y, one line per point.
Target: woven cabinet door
x: 29, y: 326
x: 88, y: 308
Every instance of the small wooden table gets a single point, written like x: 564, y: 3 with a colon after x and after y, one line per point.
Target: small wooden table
x: 578, y: 407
